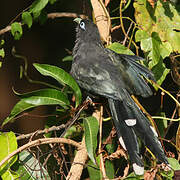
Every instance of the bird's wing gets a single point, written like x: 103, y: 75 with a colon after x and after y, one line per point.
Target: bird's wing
x: 94, y: 78
x: 133, y: 73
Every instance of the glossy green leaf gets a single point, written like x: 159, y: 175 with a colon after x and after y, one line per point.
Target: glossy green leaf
x: 38, y: 5
x: 62, y: 77
x: 16, y: 30
x: 120, y: 49
x: 37, y: 98
x: 8, y: 144
x: 91, y: 126
x: 27, y: 19
x: 31, y: 168
x: 2, y: 53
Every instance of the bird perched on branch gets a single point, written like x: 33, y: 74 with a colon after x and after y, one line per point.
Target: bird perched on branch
x: 116, y: 76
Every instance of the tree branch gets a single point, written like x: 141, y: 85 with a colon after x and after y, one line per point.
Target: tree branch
x: 49, y: 16
x: 102, y: 19
x: 78, y: 163
x: 40, y: 142
x: 46, y: 130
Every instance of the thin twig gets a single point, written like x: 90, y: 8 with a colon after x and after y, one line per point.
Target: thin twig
x: 49, y: 16
x: 46, y: 130
x: 65, y: 14
x: 40, y: 142
x: 123, y: 29
x: 102, y: 166
x: 177, y: 102
x: 85, y: 104
x: 128, y: 33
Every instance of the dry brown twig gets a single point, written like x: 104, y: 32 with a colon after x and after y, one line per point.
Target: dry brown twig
x: 40, y: 142
x: 102, y: 166
x: 39, y: 132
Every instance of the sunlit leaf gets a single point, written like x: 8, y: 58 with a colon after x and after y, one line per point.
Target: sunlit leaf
x: 10, y: 175
x: 156, y: 51
x: 163, y: 19
x: 174, y: 163
x: 2, y: 53
x: 119, y: 48
x: 8, y: 144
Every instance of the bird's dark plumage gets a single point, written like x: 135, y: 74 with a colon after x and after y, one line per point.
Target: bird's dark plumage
x: 116, y: 77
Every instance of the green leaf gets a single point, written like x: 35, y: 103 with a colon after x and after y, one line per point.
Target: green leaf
x: 109, y: 169
x: 91, y: 126
x: 16, y: 30
x: 120, y: 49
x: 8, y: 144
x: 37, y: 6
x: 156, y: 51
x: 160, y: 72
x: 10, y: 175
x: 31, y: 168
x: 52, y: 1
x: 93, y: 170
x: 62, y: 77
x: 161, y: 123
x: 164, y: 19
x: 168, y: 175
x: 2, y: 42
x: 27, y: 18
x: 2, y: 53
x: 133, y: 176
x: 37, y: 98
x: 140, y: 35
x: 67, y: 58
x: 174, y: 163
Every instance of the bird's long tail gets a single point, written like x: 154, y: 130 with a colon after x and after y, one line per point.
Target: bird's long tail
x: 130, y: 122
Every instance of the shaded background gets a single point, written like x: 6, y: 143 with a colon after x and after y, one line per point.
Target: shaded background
x: 45, y: 43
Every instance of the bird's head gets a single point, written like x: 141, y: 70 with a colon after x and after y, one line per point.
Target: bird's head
x: 87, y: 31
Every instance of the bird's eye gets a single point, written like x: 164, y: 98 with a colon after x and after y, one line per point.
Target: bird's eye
x: 82, y: 25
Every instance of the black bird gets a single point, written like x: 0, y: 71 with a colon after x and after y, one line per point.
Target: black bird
x: 116, y: 76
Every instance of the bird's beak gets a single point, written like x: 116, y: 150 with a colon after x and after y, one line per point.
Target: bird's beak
x: 77, y: 20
